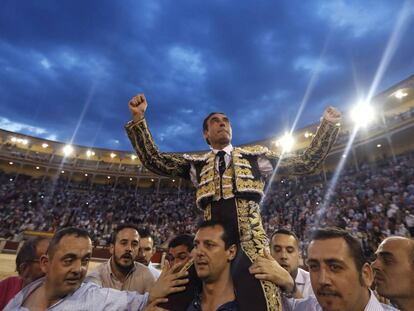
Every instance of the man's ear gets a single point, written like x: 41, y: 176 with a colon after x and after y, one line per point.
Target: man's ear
x: 367, y: 275
x: 44, y: 263
x: 232, y: 251
x: 111, y: 249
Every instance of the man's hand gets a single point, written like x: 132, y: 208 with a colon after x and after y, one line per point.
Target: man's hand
x: 332, y: 115
x: 153, y: 305
x: 169, y: 282
x: 268, y: 269
x: 137, y: 105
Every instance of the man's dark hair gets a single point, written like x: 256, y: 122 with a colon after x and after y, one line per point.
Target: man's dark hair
x: 82, y: 233
x: 205, y: 122
x: 27, y: 253
x: 120, y: 228
x: 229, y: 233
x: 182, y: 239
x: 354, y: 246
x: 286, y: 232
x: 144, y: 233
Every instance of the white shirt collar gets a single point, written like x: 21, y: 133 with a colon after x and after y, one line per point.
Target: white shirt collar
x: 228, y: 149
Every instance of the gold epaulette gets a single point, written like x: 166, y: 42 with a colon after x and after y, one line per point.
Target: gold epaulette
x: 252, y: 150
x: 197, y: 157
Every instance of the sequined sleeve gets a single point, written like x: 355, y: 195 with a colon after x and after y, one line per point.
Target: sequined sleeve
x: 160, y: 163
x: 312, y: 157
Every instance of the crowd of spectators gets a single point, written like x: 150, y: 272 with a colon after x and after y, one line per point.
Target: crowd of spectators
x: 373, y: 202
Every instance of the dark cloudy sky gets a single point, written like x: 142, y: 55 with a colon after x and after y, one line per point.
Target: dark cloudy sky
x: 68, y: 68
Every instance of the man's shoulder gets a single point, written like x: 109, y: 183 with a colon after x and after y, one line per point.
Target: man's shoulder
x: 11, y: 281
x: 306, y: 304
x: 141, y: 268
x: 98, y: 273
x: 154, y: 271
x: 252, y: 150
x: 197, y: 157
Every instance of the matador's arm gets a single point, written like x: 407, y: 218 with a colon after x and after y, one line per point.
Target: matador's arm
x: 313, y: 156
x: 160, y: 163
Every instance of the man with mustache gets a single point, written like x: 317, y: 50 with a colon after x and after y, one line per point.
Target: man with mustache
x: 230, y: 184
x: 284, y: 247
x: 341, y: 277
x: 394, y: 271
x: 121, y: 271
x: 63, y: 288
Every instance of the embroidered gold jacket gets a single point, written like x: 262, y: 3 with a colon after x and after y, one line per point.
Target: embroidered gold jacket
x: 242, y: 178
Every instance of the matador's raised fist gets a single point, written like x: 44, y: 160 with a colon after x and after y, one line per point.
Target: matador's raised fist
x: 332, y: 114
x: 137, y: 105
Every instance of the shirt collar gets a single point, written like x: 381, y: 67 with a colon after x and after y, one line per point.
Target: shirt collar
x: 373, y: 303
x: 300, y: 278
x: 228, y: 149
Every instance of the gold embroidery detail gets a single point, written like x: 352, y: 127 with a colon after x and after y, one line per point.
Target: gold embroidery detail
x: 241, y: 162
x: 207, y: 212
x: 253, y: 241
x: 243, y: 172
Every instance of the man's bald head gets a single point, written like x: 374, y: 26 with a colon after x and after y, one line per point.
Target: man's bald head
x: 394, y: 271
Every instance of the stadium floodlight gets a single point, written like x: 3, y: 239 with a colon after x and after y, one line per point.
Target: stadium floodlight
x: 112, y: 155
x: 90, y: 153
x: 285, y: 142
x: 133, y: 157
x: 379, y: 145
x: 67, y: 150
x: 400, y: 94
x: 363, y: 114
x: 44, y: 145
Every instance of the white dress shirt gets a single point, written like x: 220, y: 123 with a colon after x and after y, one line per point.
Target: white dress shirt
x: 311, y: 304
x: 303, y: 283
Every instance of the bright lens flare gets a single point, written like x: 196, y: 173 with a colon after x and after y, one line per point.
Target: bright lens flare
x: 285, y: 142
x: 363, y: 114
x: 90, y: 153
x: 68, y: 150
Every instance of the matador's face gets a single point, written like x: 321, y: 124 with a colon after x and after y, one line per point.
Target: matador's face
x: 218, y: 132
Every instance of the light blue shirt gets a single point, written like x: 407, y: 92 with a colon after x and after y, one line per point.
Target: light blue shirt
x: 88, y: 296
x: 311, y: 304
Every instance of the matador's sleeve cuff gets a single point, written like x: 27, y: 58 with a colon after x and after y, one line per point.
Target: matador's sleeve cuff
x: 130, y: 124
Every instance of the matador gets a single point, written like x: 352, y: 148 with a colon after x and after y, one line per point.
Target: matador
x: 230, y: 183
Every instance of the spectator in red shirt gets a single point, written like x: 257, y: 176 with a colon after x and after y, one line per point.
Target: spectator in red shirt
x: 27, y: 266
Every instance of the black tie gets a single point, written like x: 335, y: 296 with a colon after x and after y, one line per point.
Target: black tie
x: 222, y: 162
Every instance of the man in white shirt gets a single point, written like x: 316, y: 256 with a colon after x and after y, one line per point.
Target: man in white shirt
x: 394, y: 271
x: 146, y: 251
x: 284, y: 247
x: 341, y: 277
